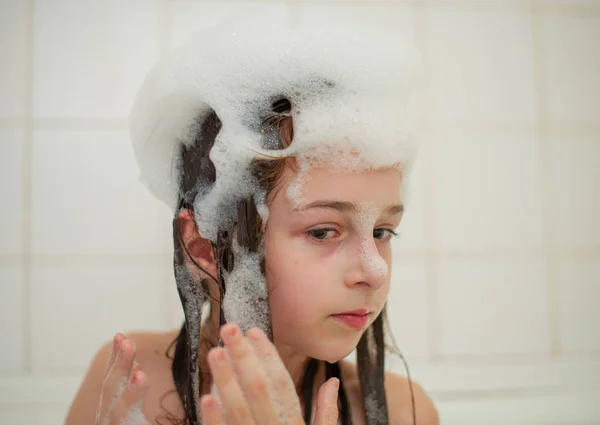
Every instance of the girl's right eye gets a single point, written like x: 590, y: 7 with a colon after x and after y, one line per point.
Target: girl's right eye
x: 320, y: 234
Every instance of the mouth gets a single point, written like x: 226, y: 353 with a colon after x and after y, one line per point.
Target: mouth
x: 356, y: 319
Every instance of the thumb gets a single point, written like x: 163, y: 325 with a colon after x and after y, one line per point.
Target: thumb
x: 327, y: 406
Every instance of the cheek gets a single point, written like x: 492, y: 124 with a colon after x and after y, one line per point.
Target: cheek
x: 297, y: 285
x: 292, y: 287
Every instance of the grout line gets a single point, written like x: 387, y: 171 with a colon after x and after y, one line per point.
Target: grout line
x: 548, y: 215
x: 27, y: 190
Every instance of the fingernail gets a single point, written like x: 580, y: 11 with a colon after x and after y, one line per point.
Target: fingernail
x: 219, y: 356
x: 336, y: 383
x: 231, y: 330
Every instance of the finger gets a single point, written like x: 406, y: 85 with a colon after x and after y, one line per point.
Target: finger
x: 210, y: 411
x: 116, y: 380
x: 117, y: 339
x: 251, y: 376
x: 327, y: 407
x: 234, y: 408
x: 279, y: 377
x: 130, y: 402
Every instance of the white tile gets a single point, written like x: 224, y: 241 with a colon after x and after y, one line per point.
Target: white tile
x: 579, y: 301
x: 397, y: 16
x: 570, y: 61
x: 13, y: 51
x: 11, y: 318
x: 11, y: 190
x: 487, y: 191
x: 480, y: 63
x: 77, y: 307
x: 87, y: 198
x: 408, y: 306
x: 575, y: 196
x: 90, y: 57
x: 189, y: 16
x: 492, y: 307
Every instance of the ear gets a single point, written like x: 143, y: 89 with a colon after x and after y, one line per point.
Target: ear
x: 200, y: 249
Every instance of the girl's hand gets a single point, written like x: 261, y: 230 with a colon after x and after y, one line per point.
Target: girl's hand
x: 253, y: 387
x: 123, y: 388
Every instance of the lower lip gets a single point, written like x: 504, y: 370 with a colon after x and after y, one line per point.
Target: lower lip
x: 353, y: 320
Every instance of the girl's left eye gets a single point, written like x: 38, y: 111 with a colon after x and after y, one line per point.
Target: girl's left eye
x: 384, y: 234
x: 320, y: 234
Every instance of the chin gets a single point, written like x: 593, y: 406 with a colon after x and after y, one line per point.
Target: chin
x: 334, y: 354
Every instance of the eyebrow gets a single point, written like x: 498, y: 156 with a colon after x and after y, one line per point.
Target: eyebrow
x: 347, y: 207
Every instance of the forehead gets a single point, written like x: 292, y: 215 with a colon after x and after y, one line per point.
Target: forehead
x: 379, y: 187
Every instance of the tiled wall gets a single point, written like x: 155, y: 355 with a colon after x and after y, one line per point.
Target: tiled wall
x: 496, y: 292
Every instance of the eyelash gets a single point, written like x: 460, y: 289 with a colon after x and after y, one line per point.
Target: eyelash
x: 391, y: 232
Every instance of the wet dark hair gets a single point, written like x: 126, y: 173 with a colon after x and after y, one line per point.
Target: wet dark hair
x: 189, y: 367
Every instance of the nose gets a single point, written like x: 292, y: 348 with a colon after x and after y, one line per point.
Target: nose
x: 366, y: 266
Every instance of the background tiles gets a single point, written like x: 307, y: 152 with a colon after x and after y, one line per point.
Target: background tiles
x: 480, y: 62
x: 92, y: 67
x: 492, y: 307
x: 574, y: 160
x: 13, y: 51
x: 486, y: 190
x: 12, y: 144
x: 86, y: 197
x: 579, y: 308
x: 571, y: 64
x: 77, y: 307
x: 11, y: 319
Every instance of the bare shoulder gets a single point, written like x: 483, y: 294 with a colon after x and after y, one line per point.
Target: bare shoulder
x: 398, y: 394
x: 151, y: 350
x: 398, y: 390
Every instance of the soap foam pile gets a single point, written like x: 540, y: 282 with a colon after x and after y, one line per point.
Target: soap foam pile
x: 348, y: 88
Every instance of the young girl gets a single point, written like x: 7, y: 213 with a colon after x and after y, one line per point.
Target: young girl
x: 284, y: 157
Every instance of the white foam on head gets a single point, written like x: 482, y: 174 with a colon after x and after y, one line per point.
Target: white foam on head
x: 348, y: 89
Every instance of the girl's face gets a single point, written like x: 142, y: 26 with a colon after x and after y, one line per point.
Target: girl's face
x: 330, y: 256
